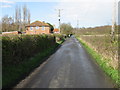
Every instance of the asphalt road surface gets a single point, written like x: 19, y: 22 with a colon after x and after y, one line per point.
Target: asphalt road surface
x: 70, y: 67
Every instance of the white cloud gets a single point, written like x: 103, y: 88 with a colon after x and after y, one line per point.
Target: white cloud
x: 85, y: 1
x: 88, y: 12
x: 62, y: 0
x: 5, y: 1
x: 5, y: 6
x: 13, y: 1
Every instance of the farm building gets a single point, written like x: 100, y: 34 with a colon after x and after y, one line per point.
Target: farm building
x: 38, y: 27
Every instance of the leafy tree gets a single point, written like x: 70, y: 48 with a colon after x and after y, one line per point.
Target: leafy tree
x: 66, y: 28
x: 51, y: 27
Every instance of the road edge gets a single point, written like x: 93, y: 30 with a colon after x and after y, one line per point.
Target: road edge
x: 101, y: 63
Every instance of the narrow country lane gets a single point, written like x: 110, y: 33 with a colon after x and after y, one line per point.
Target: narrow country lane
x: 70, y: 67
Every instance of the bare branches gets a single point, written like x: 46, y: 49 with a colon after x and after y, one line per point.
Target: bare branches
x: 24, y: 14
x: 17, y: 23
x: 28, y: 17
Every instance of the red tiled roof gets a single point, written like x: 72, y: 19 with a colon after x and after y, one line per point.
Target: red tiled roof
x: 56, y: 30
x: 37, y: 23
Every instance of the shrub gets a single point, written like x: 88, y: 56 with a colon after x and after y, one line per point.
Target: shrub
x: 22, y: 53
x: 20, y: 47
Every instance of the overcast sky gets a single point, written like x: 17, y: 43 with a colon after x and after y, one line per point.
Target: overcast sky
x: 119, y: 13
x: 90, y: 13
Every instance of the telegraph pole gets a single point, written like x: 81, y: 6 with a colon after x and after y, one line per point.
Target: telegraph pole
x: 59, y: 15
x: 77, y: 24
x: 113, y: 20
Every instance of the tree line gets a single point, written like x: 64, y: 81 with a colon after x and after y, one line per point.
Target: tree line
x: 18, y: 21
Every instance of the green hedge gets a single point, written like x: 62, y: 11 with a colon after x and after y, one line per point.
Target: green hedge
x: 22, y: 53
x: 20, y: 47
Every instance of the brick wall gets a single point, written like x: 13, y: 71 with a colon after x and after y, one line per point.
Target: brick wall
x: 38, y: 31
x: 13, y: 32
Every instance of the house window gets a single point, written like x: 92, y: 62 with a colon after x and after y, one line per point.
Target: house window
x: 43, y: 27
x: 37, y: 27
x: 31, y: 28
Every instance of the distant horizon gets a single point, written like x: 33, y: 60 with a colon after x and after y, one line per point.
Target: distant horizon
x: 89, y: 14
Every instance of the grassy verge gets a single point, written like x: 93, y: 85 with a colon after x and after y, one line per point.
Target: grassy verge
x: 15, y: 73
x: 113, y: 73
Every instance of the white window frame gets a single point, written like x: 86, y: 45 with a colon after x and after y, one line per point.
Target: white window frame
x: 31, y: 28
x: 37, y: 27
x: 43, y: 27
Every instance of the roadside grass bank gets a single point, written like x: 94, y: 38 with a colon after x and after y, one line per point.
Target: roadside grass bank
x: 99, y: 30
x: 15, y: 71
x: 103, y: 63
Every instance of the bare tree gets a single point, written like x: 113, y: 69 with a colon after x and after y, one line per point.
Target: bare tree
x: 7, y: 24
x: 24, y: 14
x: 17, y: 22
x: 19, y: 16
x: 16, y: 15
x: 29, y: 16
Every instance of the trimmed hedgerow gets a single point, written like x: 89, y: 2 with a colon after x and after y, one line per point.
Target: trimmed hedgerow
x: 20, y: 47
x: 22, y: 53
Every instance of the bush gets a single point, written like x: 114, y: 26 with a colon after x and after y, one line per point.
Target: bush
x: 59, y: 37
x: 20, y: 47
x: 22, y: 53
x: 66, y: 28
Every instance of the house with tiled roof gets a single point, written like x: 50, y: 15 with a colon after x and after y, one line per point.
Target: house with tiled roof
x: 38, y: 27
x: 56, y: 30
